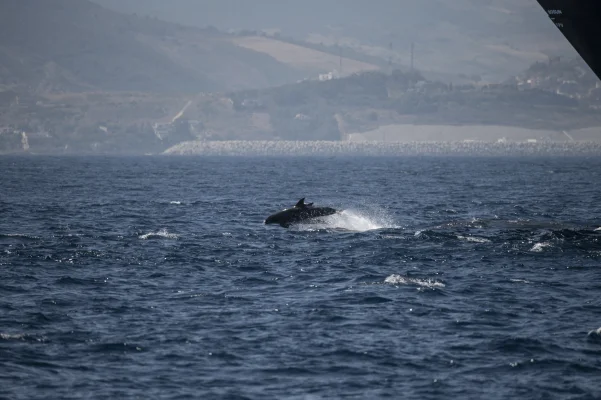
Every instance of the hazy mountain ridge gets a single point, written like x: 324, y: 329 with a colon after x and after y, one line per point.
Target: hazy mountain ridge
x: 75, y: 77
x: 74, y: 45
x: 494, y: 39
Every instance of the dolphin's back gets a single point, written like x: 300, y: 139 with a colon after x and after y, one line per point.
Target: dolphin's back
x: 299, y: 213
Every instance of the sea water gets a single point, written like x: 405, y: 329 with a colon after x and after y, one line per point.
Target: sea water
x: 155, y: 277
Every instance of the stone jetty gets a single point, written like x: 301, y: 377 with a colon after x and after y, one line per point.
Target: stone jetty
x: 345, y: 148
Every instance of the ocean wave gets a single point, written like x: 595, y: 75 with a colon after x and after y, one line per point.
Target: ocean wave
x: 12, y: 336
x: 21, y: 337
x: 161, y: 234
x: 473, y: 239
x: 595, y: 335
x: 538, y: 247
x: 396, y: 279
x: 19, y: 236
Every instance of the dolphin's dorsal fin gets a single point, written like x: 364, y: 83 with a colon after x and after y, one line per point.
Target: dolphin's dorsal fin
x: 301, y: 203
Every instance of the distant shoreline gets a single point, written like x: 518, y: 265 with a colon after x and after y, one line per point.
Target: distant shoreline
x: 279, y: 148
x: 430, y: 148
x: 474, y: 132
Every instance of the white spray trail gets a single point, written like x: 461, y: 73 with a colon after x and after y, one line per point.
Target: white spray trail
x: 350, y: 220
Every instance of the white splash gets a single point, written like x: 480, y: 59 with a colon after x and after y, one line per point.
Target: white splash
x: 159, y: 234
x: 350, y: 220
x: 396, y: 279
x: 473, y: 239
x: 20, y: 336
x: 13, y: 336
x: 598, y: 229
x: 538, y: 247
x: 595, y: 333
x: 19, y: 235
x: 175, y: 202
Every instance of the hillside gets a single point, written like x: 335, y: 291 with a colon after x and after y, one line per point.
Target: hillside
x: 75, y: 45
x: 489, y: 39
x: 335, y: 109
x: 303, y: 57
x: 569, y: 77
x: 401, y: 106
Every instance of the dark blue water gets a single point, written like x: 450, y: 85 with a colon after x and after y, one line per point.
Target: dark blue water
x: 155, y: 278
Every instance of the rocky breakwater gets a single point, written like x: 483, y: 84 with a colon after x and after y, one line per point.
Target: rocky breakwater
x: 330, y: 148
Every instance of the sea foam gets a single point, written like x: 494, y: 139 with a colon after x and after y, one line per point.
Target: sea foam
x: 350, y: 220
x: 396, y: 279
x: 161, y: 234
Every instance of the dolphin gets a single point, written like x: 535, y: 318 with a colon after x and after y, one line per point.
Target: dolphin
x: 301, y: 212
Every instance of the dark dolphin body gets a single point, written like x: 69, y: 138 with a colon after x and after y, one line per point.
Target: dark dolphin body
x: 301, y: 212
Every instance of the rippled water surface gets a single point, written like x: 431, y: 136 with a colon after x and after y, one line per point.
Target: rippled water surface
x: 156, y: 278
